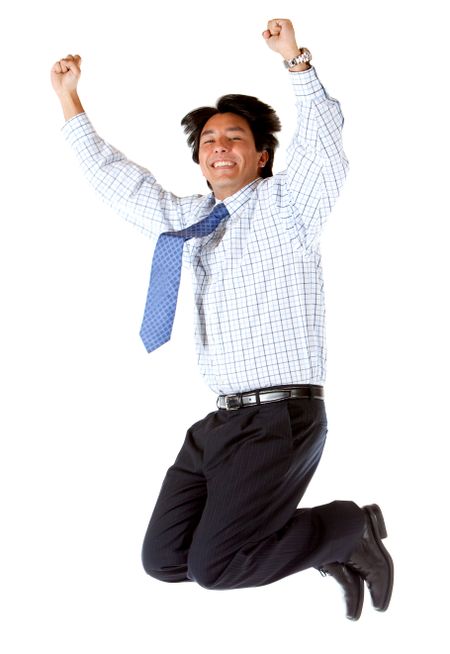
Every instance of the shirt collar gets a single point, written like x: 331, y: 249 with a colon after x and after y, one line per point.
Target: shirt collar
x: 234, y: 202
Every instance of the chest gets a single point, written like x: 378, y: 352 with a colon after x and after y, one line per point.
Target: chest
x: 243, y: 247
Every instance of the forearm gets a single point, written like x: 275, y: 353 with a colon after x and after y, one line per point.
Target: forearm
x: 319, y: 120
x: 316, y: 162
x: 70, y: 104
x: 129, y: 189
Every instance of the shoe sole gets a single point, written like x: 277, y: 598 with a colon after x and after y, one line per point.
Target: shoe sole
x: 379, y: 531
x: 360, y: 603
x: 330, y: 570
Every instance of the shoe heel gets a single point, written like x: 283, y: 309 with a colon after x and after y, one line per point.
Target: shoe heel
x: 377, y: 520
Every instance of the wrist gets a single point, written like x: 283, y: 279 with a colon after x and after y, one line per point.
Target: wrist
x: 300, y: 61
x: 70, y: 103
x: 290, y: 52
x: 68, y: 95
x: 299, y: 68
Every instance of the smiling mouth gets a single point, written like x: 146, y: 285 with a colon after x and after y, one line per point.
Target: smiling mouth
x: 223, y: 164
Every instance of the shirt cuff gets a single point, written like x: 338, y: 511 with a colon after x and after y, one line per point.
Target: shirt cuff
x: 77, y: 127
x: 306, y: 84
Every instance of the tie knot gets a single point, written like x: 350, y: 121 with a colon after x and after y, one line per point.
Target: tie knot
x: 220, y: 211
x: 207, y: 225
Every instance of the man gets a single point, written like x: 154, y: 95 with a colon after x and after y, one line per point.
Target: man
x: 227, y: 515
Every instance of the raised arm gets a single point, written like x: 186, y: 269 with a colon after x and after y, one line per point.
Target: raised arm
x: 316, y: 162
x: 128, y: 188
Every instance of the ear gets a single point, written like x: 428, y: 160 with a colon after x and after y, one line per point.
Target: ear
x: 263, y: 159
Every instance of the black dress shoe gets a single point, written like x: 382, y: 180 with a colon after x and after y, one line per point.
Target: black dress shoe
x: 372, y: 561
x: 352, y: 585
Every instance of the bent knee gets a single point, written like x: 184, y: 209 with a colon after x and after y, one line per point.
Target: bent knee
x: 163, y: 566
x: 206, y: 574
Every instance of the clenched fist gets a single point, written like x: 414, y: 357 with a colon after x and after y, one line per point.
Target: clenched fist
x: 65, y: 74
x: 280, y: 37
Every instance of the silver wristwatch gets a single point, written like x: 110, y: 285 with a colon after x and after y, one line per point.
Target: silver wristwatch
x: 303, y: 57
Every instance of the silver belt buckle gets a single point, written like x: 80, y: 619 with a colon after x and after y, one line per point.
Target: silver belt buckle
x: 232, y: 402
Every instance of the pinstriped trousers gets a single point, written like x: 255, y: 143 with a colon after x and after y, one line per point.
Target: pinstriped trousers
x: 227, y: 517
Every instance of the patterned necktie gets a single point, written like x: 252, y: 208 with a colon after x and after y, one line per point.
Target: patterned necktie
x: 165, y: 278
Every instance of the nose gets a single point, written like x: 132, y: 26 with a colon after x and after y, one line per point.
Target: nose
x: 221, y: 145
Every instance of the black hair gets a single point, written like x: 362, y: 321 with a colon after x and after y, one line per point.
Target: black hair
x: 262, y: 120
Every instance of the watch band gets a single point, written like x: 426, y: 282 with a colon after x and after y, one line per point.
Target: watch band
x: 303, y: 57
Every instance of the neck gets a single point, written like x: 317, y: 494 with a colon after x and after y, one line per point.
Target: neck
x: 223, y: 193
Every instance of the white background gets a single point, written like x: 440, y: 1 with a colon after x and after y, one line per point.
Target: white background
x: 90, y: 422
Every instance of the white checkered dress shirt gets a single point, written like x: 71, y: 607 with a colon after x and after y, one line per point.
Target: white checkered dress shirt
x: 257, y: 279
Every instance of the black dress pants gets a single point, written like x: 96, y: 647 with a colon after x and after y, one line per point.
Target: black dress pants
x: 227, y: 517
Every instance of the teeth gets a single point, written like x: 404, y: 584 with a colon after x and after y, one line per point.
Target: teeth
x: 221, y: 164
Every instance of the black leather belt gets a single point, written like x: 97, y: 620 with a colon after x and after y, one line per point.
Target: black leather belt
x: 265, y: 395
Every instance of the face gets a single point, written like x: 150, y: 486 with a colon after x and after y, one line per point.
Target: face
x: 227, y: 154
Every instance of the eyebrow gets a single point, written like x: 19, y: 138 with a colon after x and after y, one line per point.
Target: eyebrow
x: 228, y: 129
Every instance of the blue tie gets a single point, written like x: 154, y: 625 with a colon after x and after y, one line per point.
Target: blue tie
x: 165, y: 278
